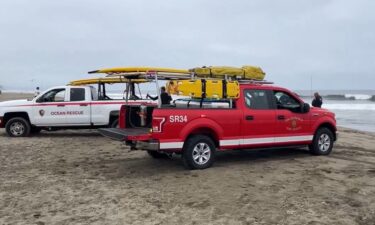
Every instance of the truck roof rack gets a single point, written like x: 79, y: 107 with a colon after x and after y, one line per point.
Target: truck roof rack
x: 254, y: 81
x: 243, y: 75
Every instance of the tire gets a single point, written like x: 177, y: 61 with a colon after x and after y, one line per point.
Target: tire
x: 18, y: 127
x: 322, y: 142
x: 199, y: 152
x: 114, y: 124
x: 157, y: 155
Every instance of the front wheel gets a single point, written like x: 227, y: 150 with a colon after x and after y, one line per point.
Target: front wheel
x: 198, y: 152
x: 322, y: 142
x: 18, y: 127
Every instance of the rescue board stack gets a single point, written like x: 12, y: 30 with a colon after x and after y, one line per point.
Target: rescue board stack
x: 105, y: 80
x: 245, y: 72
x: 201, y: 82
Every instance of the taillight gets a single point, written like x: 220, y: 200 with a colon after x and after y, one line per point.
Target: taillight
x: 122, y: 117
x: 157, y: 124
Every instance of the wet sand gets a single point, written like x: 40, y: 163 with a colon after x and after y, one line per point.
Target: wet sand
x: 79, y: 177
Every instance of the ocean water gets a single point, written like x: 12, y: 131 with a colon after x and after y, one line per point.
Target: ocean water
x: 353, y: 108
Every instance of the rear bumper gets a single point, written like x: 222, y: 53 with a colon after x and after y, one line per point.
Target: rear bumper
x: 151, y: 145
x: 136, y: 138
x: 2, y: 124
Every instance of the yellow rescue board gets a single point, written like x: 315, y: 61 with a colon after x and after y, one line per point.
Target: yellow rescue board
x: 220, y: 72
x: 106, y: 80
x: 214, y: 88
x: 140, y: 70
x: 245, y: 72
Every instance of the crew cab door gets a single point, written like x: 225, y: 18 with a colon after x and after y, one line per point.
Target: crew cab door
x: 293, y: 125
x: 49, y: 109
x: 78, y: 108
x: 259, y: 119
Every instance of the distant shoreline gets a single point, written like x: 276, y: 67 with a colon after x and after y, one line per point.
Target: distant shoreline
x: 6, y: 96
x: 16, y: 92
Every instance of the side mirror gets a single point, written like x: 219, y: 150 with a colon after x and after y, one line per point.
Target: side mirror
x: 305, y: 108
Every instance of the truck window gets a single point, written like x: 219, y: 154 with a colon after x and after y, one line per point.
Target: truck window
x: 77, y: 94
x: 94, y: 94
x: 55, y: 95
x: 257, y: 99
x: 286, y: 101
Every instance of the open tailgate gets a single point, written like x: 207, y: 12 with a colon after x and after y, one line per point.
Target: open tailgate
x: 121, y: 134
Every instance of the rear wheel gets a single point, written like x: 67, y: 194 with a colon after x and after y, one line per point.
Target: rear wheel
x: 198, y: 152
x: 322, y: 142
x: 18, y: 127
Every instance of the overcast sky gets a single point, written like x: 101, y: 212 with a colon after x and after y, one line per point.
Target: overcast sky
x: 46, y: 43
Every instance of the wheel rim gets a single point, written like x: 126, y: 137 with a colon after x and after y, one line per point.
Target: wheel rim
x: 17, y: 128
x: 201, y: 153
x: 324, y: 142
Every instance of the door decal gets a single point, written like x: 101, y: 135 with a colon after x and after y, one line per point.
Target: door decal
x: 293, y: 123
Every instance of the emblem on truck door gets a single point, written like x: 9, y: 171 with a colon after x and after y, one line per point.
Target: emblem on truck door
x: 294, y: 123
x: 41, y: 112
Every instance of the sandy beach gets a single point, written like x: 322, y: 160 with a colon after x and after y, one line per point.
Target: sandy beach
x: 80, y: 177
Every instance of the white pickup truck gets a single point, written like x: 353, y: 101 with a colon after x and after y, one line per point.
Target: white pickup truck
x: 63, y: 107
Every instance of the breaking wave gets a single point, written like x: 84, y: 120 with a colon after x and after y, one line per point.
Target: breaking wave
x: 350, y: 97
x: 338, y: 106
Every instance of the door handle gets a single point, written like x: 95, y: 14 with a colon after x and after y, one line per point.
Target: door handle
x: 83, y: 104
x: 281, y: 117
x: 60, y: 105
x: 249, y: 117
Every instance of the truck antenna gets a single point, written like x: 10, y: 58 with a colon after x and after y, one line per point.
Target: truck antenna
x: 311, y: 87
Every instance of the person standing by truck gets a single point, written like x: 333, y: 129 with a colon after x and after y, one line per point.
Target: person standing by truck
x: 37, y: 92
x: 165, y: 97
x: 317, y: 101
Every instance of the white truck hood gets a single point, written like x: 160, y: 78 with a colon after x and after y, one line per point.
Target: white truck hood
x: 14, y: 103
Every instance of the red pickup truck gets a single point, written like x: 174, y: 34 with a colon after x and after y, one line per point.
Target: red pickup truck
x: 264, y: 116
